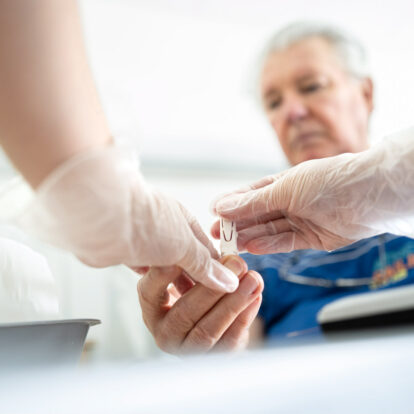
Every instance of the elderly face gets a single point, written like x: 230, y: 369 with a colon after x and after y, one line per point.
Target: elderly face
x: 316, y: 109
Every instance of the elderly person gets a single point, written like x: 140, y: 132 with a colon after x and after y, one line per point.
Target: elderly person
x: 318, y: 98
x: 329, y: 203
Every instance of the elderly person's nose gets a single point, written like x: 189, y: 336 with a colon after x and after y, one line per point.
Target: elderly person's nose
x: 294, y: 108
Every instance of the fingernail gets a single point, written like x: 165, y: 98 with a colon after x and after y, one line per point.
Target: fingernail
x: 234, y: 265
x: 248, y: 285
x: 223, y: 277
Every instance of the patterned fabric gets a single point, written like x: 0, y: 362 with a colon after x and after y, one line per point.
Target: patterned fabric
x: 291, y: 307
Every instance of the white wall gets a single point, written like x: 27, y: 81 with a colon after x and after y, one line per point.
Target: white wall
x: 176, y: 74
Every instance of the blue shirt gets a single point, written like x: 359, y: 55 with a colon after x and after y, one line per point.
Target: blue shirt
x: 291, y: 307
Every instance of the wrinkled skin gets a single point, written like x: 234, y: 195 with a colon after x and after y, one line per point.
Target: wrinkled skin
x: 186, y: 317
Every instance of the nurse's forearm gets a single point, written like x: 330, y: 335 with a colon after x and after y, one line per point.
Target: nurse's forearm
x: 49, y: 106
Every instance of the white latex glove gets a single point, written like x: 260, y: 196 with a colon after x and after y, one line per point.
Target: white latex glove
x: 98, y: 206
x: 328, y: 203
x: 27, y: 287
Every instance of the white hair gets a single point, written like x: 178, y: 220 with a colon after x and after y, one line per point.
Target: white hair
x: 351, y: 52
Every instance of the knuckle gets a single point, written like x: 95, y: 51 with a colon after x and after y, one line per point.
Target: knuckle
x: 244, y: 323
x: 201, y: 337
x: 180, y: 314
x: 231, y: 308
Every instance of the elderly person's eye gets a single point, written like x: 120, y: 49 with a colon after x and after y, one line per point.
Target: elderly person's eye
x: 273, y: 104
x: 311, y: 87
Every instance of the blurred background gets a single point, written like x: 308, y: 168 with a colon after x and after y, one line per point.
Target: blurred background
x: 177, y: 81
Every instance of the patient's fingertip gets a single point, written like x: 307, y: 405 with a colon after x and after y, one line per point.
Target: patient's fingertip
x: 235, y: 263
x: 259, y: 279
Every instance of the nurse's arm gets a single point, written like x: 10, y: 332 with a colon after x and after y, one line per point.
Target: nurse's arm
x: 49, y: 106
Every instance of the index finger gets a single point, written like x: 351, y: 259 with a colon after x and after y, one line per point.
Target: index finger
x: 264, y: 196
x: 270, y: 199
x: 244, y: 224
x: 257, y: 184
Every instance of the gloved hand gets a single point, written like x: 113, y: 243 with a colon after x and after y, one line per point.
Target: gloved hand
x: 98, y: 206
x: 327, y: 203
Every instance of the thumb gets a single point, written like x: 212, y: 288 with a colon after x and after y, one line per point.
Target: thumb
x: 202, y: 268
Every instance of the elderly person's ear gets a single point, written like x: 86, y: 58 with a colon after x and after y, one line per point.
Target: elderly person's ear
x: 368, y: 93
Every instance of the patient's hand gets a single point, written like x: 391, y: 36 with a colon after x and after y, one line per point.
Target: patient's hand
x: 186, y: 317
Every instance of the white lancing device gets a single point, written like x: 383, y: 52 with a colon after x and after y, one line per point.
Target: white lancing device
x: 228, y: 238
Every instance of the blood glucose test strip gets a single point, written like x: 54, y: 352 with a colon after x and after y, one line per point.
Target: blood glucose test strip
x: 228, y: 238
